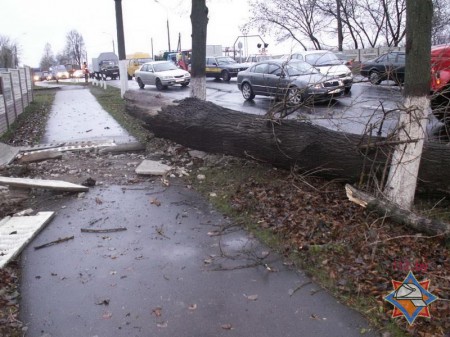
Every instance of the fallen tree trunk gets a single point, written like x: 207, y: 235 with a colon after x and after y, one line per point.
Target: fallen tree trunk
x: 398, y: 215
x: 285, y: 143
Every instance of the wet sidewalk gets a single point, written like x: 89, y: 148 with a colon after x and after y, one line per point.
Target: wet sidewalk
x: 76, y: 116
x: 177, y: 268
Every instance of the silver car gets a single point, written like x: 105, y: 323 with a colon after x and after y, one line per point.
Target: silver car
x: 161, y: 74
x: 296, y: 81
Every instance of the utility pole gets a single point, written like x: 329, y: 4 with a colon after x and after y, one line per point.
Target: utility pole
x: 120, y: 34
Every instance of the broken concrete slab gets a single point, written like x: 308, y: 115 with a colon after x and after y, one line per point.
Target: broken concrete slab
x: 7, y: 154
x: 57, y: 185
x: 33, y: 157
x: 127, y: 147
x: 197, y: 154
x: 150, y: 167
x: 74, y: 146
x: 17, y: 232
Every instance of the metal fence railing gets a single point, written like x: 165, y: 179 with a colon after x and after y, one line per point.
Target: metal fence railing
x: 16, y: 93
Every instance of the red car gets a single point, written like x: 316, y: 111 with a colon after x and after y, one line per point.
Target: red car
x: 440, y: 81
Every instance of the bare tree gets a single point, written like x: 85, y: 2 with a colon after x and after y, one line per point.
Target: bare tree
x: 199, y: 20
x: 8, y: 53
x: 440, y: 28
x: 47, y: 59
x: 75, y: 48
x: 402, y: 179
x: 395, y: 15
x: 300, y: 20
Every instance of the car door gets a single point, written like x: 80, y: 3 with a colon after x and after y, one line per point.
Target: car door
x: 257, y: 79
x: 212, y: 69
x: 275, y: 79
x: 398, y: 71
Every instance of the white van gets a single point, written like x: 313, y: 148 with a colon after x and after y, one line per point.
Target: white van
x: 328, y: 64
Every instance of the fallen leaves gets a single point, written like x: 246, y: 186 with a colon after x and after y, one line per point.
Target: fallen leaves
x: 155, y: 201
x: 227, y: 326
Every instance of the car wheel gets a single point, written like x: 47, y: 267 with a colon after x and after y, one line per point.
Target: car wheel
x: 375, y: 78
x: 158, y: 84
x: 184, y: 84
x: 347, y: 90
x: 140, y: 83
x: 294, y: 96
x: 226, y: 76
x: 129, y: 77
x: 247, y: 91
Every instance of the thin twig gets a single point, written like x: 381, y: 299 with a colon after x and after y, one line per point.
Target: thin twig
x: 299, y: 287
x: 54, y: 242
x: 107, y: 230
x: 407, y: 236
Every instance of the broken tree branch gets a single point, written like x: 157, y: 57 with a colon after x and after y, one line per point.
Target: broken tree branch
x: 106, y: 230
x: 60, y: 240
x: 398, y: 215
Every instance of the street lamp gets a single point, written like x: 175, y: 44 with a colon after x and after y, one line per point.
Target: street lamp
x: 112, y: 39
x: 167, y: 14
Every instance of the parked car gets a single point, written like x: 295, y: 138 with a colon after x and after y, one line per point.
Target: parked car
x: 440, y: 82
x: 162, y: 74
x: 223, y: 67
x: 328, y: 64
x: 389, y: 66
x: 295, y: 80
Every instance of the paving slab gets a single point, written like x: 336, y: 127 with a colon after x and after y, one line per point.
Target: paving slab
x: 57, y: 185
x: 151, y: 167
x: 7, y: 154
x: 17, y: 232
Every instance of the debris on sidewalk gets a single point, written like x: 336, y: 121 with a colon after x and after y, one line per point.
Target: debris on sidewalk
x: 17, y: 232
x: 40, y: 156
x: 55, y: 242
x: 7, y: 154
x: 57, y: 185
x: 127, y: 147
x: 151, y: 167
x: 107, y: 230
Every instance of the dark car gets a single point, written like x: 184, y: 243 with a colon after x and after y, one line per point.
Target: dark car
x: 223, y: 67
x: 389, y: 66
x: 295, y: 80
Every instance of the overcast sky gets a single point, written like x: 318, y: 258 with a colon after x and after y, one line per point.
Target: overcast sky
x: 33, y: 23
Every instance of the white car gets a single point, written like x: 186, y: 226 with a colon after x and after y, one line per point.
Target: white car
x: 328, y: 64
x: 161, y: 74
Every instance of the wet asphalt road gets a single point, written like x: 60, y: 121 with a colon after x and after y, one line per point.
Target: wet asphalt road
x: 179, y: 269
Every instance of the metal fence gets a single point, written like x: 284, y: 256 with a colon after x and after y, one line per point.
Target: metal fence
x: 361, y: 55
x: 16, y: 93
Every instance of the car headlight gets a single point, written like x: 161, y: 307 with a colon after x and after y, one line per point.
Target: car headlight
x: 36, y: 77
x: 349, y: 74
x: 166, y: 77
x: 318, y: 86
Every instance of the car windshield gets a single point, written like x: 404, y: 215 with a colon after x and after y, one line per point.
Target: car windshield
x: 164, y: 66
x: 224, y: 60
x: 296, y: 68
x: 322, y: 59
x: 142, y: 61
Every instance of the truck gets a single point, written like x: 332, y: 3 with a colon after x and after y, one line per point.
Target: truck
x: 105, y: 65
x: 214, y: 50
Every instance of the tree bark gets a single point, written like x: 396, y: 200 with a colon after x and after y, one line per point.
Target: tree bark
x: 205, y: 126
x: 199, y: 20
x: 401, y: 216
x: 401, y: 184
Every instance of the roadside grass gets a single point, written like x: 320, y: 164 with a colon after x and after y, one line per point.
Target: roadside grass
x: 111, y: 101
x: 37, y: 111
